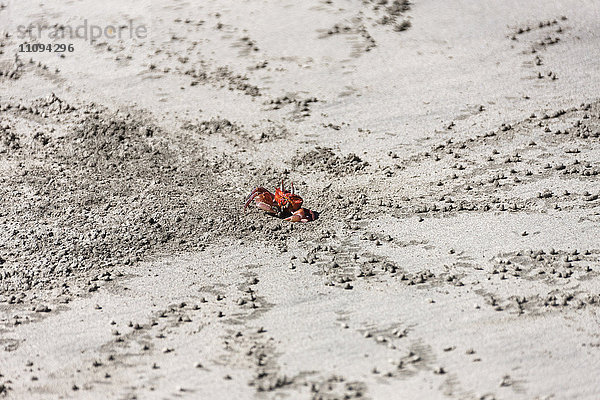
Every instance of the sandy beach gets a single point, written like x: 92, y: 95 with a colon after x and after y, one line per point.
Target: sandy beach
x: 450, y: 150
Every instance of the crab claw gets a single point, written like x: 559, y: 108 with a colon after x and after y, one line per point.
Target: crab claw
x: 267, y: 207
x: 302, y: 215
x: 255, y: 193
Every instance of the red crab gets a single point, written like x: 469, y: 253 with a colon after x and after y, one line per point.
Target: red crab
x: 284, y: 204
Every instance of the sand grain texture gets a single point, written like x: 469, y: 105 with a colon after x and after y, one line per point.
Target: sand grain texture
x: 452, y: 150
